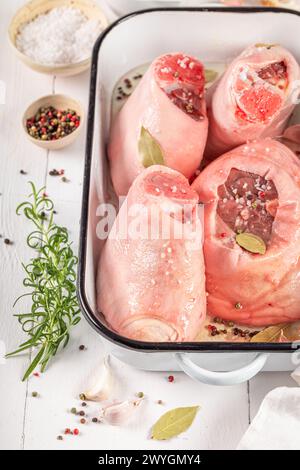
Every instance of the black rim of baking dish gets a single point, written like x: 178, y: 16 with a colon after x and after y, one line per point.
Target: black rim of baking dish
x: 93, y: 320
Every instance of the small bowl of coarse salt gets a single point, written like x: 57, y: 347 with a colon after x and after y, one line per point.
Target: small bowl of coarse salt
x: 57, y: 36
x: 53, y: 121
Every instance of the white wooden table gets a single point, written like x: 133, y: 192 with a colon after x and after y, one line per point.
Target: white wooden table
x: 35, y: 423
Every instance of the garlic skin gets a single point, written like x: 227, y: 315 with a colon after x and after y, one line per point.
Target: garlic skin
x: 119, y: 413
x: 296, y: 375
x: 101, y: 390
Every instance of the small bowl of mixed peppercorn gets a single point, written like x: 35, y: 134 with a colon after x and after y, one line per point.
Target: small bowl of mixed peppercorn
x: 53, y: 122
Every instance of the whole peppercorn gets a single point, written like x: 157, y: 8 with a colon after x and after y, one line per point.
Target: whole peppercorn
x: 53, y: 172
x: 81, y: 413
x: 82, y: 421
x: 59, y: 438
x: 47, y: 122
x: 73, y: 411
x: 95, y: 420
x: 34, y: 394
x: 82, y: 396
x: 81, y: 347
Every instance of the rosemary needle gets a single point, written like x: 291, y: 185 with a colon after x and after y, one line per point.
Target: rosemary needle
x: 51, y: 278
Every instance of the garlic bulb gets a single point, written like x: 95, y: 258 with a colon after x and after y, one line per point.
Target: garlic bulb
x: 120, y: 412
x: 102, y: 387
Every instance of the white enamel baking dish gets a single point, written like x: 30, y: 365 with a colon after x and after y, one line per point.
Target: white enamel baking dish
x: 122, y: 7
x: 214, y: 35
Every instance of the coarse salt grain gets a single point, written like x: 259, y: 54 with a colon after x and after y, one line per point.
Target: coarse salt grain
x: 63, y: 35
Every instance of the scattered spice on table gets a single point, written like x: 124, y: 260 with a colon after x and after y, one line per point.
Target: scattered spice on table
x: 76, y: 431
x: 34, y: 394
x: 59, y: 438
x: 22, y: 172
x: 140, y: 394
x: 83, y: 403
x: 82, y: 421
x: 171, y: 378
x: 160, y: 402
x: 50, y: 123
x: 81, y: 413
x: 68, y: 431
x: 82, y: 396
x: 95, y: 420
x: 82, y: 347
x: 73, y: 411
x: 7, y: 241
x: 56, y: 172
x: 36, y: 374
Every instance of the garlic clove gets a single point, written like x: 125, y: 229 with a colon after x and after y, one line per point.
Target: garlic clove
x: 119, y: 413
x: 102, y: 387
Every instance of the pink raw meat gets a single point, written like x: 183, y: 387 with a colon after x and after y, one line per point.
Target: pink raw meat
x: 253, y: 99
x: 153, y: 288
x: 254, y: 188
x: 169, y: 103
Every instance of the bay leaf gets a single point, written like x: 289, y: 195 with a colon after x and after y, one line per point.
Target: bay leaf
x: 272, y: 334
x: 251, y: 242
x: 174, y: 422
x: 267, y: 46
x: 149, y: 149
x: 210, y: 75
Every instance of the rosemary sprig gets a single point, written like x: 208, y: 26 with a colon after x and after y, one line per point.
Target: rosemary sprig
x: 51, y: 278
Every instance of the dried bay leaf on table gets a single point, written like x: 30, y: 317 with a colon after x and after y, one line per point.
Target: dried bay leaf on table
x: 174, y: 422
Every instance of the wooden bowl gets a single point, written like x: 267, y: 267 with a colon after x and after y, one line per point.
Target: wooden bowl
x: 36, y: 7
x: 59, y: 102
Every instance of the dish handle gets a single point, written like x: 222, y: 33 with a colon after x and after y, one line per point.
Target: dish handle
x: 221, y: 378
